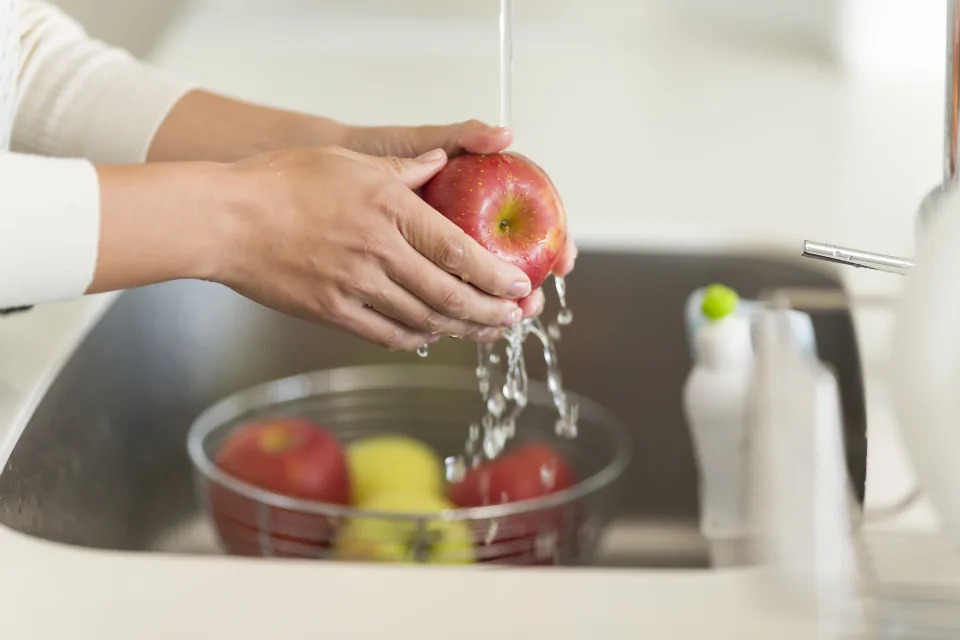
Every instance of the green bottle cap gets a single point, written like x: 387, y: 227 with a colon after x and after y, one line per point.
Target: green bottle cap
x: 719, y: 302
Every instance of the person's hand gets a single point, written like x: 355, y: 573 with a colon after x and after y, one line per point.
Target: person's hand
x: 340, y: 237
x: 471, y: 136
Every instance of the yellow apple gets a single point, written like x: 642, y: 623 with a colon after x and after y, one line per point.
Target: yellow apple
x: 404, y: 540
x: 393, y: 463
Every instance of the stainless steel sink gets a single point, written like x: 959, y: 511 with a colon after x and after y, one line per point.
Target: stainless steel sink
x: 102, y: 462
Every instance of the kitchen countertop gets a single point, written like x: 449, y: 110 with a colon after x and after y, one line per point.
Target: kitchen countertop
x: 659, y: 141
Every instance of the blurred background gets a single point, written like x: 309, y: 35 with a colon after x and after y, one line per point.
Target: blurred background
x: 757, y: 121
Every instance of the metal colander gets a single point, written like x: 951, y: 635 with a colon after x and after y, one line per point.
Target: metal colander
x: 434, y: 404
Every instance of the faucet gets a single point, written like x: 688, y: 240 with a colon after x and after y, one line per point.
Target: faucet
x: 951, y: 155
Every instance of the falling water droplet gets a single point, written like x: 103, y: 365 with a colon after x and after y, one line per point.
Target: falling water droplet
x: 564, y: 317
x: 493, y: 442
x: 561, y: 284
x: 423, y: 351
x: 496, y: 404
x: 456, y: 469
x: 494, y: 359
x: 520, y: 397
x: 566, y: 426
x: 553, y: 330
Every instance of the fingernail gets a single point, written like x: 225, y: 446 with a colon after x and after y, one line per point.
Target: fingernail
x: 431, y: 156
x: 520, y: 288
x: 513, y: 317
x: 432, y: 339
x: 500, y: 130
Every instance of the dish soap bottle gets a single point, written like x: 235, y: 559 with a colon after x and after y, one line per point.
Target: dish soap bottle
x: 716, y: 400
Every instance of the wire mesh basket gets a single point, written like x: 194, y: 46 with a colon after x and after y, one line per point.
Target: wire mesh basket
x: 433, y: 404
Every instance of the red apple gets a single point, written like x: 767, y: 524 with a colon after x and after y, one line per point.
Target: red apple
x: 289, y: 456
x: 530, y: 471
x: 506, y: 203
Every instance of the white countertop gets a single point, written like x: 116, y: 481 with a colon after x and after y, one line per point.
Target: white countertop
x: 653, y: 138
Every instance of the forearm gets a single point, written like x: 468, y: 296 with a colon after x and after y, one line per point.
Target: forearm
x: 206, y: 126
x: 161, y: 222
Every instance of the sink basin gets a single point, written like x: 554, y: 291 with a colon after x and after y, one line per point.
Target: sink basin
x: 102, y: 462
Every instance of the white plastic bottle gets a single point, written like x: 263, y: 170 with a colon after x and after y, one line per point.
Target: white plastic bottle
x: 716, y: 400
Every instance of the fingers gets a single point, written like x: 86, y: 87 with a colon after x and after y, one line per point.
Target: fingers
x: 476, y: 137
x: 567, y: 259
x: 472, y: 136
x: 407, y: 142
x: 412, y: 172
x: 395, y: 302
x: 447, y: 246
x: 532, y: 305
x: 445, y: 293
x: 375, y: 327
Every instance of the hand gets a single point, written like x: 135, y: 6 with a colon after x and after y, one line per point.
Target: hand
x: 340, y: 237
x: 471, y: 136
x: 208, y: 127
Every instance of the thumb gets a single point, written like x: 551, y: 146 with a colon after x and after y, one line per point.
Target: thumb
x: 413, y: 172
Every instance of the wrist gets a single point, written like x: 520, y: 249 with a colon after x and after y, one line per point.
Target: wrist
x: 294, y: 130
x: 161, y: 222
x: 219, y: 230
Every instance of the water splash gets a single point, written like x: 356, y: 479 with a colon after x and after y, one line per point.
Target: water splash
x: 505, y: 391
x: 505, y: 397
x: 564, y: 315
x: 455, y: 469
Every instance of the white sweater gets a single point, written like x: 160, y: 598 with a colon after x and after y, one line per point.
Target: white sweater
x: 66, y: 101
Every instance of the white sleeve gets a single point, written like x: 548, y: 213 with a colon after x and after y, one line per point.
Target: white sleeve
x: 85, y: 102
x: 49, y: 228
x: 79, y: 97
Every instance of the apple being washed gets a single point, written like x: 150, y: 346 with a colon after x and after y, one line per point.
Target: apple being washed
x: 293, y: 457
x: 508, y: 204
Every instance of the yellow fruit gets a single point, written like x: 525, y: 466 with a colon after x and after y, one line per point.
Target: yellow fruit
x: 404, y: 540
x: 393, y: 463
